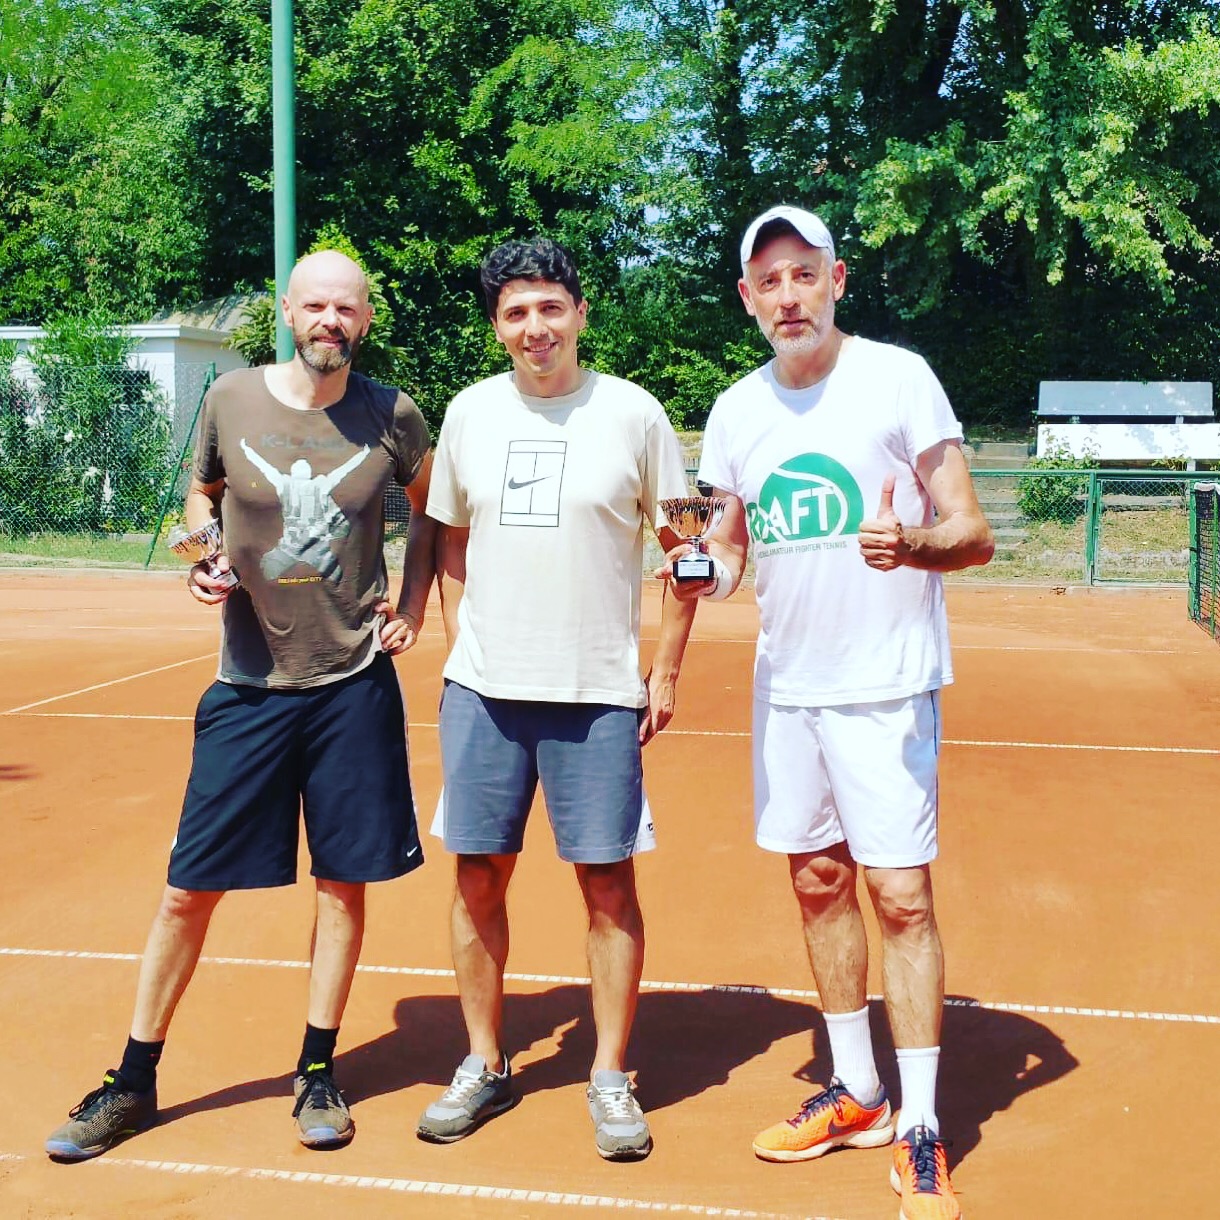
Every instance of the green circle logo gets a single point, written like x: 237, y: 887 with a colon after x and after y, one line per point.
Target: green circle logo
x: 810, y: 496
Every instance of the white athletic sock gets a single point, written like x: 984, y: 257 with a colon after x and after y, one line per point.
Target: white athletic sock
x: 917, y: 1077
x: 851, y: 1050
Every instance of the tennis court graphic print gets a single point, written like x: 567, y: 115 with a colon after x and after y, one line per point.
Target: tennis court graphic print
x: 533, y: 480
x: 804, y: 505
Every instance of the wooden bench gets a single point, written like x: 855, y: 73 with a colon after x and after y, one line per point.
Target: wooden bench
x: 1129, y: 421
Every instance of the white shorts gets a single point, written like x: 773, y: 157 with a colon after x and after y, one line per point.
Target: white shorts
x: 864, y: 773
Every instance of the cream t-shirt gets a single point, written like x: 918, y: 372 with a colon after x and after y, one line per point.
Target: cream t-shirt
x: 555, y: 492
x: 808, y: 465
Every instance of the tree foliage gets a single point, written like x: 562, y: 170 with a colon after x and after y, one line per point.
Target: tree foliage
x: 1022, y: 188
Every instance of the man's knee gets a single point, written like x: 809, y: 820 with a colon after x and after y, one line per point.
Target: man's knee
x: 823, y: 882
x: 609, y: 891
x: 482, y: 881
x: 341, y: 897
x: 187, y: 906
x: 902, y: 898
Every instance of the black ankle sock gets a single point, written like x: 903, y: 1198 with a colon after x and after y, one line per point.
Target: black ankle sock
x: 139, y: 1066
x: 317, y: 1050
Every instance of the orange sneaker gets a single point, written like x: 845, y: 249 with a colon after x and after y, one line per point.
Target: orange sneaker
x: 921, y: 1176
x: 828, y: 1120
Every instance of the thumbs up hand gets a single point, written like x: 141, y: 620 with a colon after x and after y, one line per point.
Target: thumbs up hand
x: 882, y: 541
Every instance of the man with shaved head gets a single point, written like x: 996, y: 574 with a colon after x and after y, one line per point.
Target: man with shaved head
x: 305, y: 716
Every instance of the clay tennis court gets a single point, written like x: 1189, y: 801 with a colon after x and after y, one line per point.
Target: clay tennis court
x: 1076, y: 895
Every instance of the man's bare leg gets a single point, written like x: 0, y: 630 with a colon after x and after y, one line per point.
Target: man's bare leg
x: 335, y: 950
x: 479, y: 937
x: 171, y: 954
x: 913, y: 970
x: 615, y: 946
x: 825, y: 887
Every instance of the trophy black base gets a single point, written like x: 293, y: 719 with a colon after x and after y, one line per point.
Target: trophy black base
x: 694, y: 567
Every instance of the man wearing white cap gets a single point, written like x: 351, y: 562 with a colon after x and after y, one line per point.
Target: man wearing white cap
x: 852, y: 652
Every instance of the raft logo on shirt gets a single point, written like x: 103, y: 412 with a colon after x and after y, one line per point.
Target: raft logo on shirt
x: 809, y: 497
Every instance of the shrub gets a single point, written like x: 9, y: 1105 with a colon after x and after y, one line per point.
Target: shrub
x: 1062, y: 496
x: 85, y: 446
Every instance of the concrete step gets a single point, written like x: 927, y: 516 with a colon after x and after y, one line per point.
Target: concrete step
x: 1001, y: 449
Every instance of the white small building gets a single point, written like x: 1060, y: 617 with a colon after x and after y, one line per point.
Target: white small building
x: 177, y: 349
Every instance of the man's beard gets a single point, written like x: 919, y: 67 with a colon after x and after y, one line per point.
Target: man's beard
x: 808, y: 340
x: 323, y: 358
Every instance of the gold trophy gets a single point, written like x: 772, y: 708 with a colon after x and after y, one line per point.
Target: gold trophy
x: 692, y: 518
x: 202, y: 546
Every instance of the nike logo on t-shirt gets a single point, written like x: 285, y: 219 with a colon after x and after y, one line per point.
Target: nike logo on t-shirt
x: 513, y: 485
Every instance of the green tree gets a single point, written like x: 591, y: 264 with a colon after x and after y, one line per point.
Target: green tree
x: 92, y: 174
x: 1012, y: 181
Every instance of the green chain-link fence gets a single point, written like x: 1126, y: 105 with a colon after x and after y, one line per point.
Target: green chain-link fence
x: 1203, y: 595
x: 90, y: 460
x: 94, y: 463
x: 1087, y: 526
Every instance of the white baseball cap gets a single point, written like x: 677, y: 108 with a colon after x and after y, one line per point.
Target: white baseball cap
x: 810, y: 227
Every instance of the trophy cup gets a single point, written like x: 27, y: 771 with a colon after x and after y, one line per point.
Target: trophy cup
x: 202, y: 546
x: 693, y: 518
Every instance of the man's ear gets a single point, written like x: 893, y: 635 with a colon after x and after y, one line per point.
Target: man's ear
x: 838, y: 279
x: 744, y: 289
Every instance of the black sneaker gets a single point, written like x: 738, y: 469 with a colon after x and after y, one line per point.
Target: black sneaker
x: 474, y: 1096
x: 104, y: 1117
x: 323, y: 1118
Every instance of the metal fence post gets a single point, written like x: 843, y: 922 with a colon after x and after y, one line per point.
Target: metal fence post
x: 163, y: 507
x: 1092, y: 530
x: 1215, y: 540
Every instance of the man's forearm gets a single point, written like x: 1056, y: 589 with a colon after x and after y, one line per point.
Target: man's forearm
x: 199, y: 508
x: 959, y: 541
x: 419, y: 567
x: 677, y: 618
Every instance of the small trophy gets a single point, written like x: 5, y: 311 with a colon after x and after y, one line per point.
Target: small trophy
x: 202, y: 546
x: 693, y: 518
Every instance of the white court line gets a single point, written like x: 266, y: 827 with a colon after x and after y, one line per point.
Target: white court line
x: 84, y: 690
x: 1087, y: 651
x: 793, y: 993
x: 416, y: 1186
x: 685, y: 732
x: 209, y: 629
x: 92, y: 716
x: 742, y: 733
x: 1143, y: 652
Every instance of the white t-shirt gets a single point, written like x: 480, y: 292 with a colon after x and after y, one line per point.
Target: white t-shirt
x: 808, y: 465
x: 555, y: 492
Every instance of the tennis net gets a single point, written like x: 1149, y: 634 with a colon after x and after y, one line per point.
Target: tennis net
x: 1204, y: 581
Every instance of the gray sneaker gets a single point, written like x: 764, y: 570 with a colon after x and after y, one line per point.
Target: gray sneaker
x: 474, y: 1096
x: 104, y: 1117
x: 618, y: 1122
x: 323, y: 1119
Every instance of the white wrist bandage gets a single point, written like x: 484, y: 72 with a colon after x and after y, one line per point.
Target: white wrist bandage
x: 724, y: 582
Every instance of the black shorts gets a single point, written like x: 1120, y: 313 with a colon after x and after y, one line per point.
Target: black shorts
x: 339, y: 752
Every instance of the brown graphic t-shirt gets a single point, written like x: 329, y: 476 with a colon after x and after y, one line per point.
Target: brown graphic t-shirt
x: 304, y: 522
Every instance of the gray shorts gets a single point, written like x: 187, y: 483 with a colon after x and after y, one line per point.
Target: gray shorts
x: 494, y: 752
